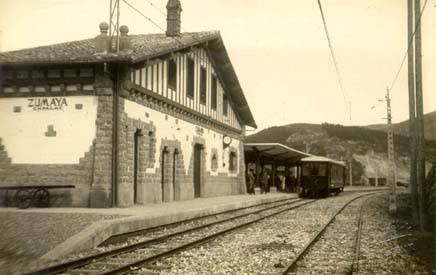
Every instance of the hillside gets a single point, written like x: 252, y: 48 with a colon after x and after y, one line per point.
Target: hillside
x: 402, y: 128
x: 366, y: 147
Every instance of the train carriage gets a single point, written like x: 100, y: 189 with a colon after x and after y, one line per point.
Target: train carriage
x: 321, y: 176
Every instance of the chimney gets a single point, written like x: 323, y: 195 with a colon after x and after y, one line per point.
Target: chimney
x: 174, y: 10
x: 102, y: 41
x: 125, y: 43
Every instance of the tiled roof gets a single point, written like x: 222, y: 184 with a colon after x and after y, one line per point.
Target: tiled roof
x: 82, y: 51
x: 143, y: 47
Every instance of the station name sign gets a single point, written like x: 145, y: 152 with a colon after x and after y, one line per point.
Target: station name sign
x: 47, y: 103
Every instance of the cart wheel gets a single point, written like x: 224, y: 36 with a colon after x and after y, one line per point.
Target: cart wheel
x: 41, y: 198
x: 23, y: 198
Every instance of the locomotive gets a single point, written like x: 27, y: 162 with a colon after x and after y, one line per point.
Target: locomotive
x: 321, y: 176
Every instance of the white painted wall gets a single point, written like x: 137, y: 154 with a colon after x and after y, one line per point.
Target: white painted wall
x: 170, y: 130
x: 23, y: 133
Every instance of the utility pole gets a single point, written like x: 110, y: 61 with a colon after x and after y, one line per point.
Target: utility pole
x: 391, y: 159
x: 114, y: 23
x: 420, y: 156
x: 351, y: 171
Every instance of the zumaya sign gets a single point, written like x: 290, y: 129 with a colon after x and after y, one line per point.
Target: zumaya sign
x: 47, y: 103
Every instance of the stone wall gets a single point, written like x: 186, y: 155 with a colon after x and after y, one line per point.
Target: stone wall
x: 79, y: 175
x: 166, y: 141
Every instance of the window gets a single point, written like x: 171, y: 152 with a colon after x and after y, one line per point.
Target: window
x: 232, y: 161
x: 214, y: 162
x: 203, y: 80
x: 190, y: 78
x: 225, y: 105
x: 315, y: 169
x: 214, y: 93
x: 172, y: 74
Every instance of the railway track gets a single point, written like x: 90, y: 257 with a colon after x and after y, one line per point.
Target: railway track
x: 126, y: 259
x: 153, y: 232
x: 332, y: 250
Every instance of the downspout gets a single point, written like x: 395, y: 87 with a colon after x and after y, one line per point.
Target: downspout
x: 115, y: 137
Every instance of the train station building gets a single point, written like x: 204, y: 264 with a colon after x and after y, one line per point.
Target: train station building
x: 162, y: 120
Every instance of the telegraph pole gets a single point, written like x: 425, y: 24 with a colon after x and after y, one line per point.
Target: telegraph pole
x: 114, y: 23
x: 419, y: 116
x: 412, y: 115
x: 391, y: 159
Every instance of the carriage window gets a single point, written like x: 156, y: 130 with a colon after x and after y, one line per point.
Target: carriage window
x: 314, y: 169
x: 172, y: 74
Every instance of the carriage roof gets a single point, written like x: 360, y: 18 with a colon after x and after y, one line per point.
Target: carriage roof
x: 323, y: 159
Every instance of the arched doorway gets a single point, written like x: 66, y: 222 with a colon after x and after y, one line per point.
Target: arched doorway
x: 197, y: 170
x: 175, y: 162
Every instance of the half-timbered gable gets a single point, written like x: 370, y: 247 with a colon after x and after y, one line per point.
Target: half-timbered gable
x: 189, y: 79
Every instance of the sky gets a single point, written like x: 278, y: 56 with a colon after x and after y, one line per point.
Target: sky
x: 278, y: 48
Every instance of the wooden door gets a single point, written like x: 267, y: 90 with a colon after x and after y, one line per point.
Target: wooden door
x: 135, y: 167
x: 197, y: 170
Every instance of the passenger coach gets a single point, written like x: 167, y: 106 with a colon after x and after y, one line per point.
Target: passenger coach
x: 321, y: 176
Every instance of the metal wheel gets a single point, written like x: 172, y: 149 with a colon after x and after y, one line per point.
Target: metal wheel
x: 24, y: 198
x: 41, y: 197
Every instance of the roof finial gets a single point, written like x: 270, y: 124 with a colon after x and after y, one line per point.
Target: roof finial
x: 102, y: 41
x: 125, y: 43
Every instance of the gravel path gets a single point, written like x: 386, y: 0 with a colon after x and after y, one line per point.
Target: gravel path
x: 27, y: 236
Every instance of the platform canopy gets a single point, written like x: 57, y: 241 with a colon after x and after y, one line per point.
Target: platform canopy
x: 273, y: 153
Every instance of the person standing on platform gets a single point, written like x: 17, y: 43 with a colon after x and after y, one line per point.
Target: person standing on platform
x: 250, y: 182
x: 264, y: 182
x: 288, y: 184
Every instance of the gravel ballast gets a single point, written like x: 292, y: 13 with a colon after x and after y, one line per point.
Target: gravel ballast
x: 266, y: 247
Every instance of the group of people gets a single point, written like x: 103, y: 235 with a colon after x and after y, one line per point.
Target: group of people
x: 290, y: 182
x: 251, y: 180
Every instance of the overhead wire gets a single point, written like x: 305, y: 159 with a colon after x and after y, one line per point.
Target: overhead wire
x: 143, y: 15
x: 403, y: 60
x: 418, y: 22
x: 335, y: 62
x: 156, y: 7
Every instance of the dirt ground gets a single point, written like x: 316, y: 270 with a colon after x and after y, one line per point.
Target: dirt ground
x: 419, y: 244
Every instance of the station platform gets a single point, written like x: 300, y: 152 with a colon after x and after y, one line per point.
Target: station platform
x: 52, y: 233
